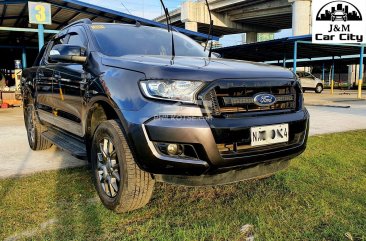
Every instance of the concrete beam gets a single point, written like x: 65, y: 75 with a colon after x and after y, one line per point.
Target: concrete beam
x: 251, y: 37
x: 263, y: 13
x: 268, y: 8
x: 219, y: 4
x: 229, y: 14
x: 197, y: 12
x: 175, y: 16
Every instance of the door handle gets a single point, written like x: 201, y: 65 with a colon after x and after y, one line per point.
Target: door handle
x: 57, y: 75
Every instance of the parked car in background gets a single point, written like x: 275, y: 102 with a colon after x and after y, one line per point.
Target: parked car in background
x: 310, y: 82
x: 140, y: 114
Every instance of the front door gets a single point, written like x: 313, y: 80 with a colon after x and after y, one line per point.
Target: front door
x: 308, y: 81
x: 67, y: 102
x: 67, y: 89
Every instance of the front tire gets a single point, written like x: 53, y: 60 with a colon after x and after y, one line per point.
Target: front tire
x: 121, y: 185
x: 319, y: 88
x: 34, y: 130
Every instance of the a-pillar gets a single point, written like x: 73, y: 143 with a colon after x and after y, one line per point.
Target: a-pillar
x: 301, y: 17
x: 192, y: 26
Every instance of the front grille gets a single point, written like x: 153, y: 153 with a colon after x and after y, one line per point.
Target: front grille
x: 220, y: 101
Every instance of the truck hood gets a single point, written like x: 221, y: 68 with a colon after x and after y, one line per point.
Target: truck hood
x: 196, y: 68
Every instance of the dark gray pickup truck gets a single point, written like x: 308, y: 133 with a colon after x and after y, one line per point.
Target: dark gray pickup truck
x: 113, y: 94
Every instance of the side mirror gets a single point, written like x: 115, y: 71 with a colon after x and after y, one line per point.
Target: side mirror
x: 217, y: 55
x: 65, y: 53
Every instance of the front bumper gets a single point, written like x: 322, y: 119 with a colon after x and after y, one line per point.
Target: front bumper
x: 205, y: 135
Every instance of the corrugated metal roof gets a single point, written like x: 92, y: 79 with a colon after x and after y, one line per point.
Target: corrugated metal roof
x: 277, y: 50
x: 14, y: 13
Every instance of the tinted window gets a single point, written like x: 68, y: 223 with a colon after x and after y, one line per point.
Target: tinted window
x: 119, y: 40
x: 75, y: 39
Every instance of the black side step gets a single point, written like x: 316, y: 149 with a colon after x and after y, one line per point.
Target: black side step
x: 67, y: 143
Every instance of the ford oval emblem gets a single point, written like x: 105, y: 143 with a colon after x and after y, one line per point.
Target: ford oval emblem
x: 264, y: 99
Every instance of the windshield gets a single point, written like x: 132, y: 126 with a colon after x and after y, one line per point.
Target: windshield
x: 118, y: 40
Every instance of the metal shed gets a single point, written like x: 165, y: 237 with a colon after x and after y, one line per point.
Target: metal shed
x: 19, y: 38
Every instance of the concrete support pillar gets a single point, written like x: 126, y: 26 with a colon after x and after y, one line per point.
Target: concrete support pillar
x: 251, y: 37
x: 193, y: 26
x: 352, y: 74
x: 301, y: 17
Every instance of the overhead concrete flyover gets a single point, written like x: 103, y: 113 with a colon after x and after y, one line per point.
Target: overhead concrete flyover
x: 244, y: 16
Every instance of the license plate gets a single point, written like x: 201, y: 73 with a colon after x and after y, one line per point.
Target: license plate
x: 267, y: 135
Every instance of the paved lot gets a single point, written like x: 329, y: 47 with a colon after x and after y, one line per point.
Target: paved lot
x: 329, y: 113
x: 16, y: 158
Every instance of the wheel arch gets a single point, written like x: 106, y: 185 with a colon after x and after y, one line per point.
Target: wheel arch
x: 27, y: 95
x: 28, y: 87
x: 100, y: 110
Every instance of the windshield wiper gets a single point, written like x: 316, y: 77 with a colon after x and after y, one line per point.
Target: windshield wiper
x: 209, y: 36
x: 170, y: 27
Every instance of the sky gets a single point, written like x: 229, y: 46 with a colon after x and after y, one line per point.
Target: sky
x: 143, y: 8
x: 151, y: 9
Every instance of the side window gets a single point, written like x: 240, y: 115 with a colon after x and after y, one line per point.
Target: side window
x: 76, y: 39
x: 307, y: 75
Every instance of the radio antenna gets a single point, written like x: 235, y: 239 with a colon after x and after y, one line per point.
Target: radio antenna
x: 209, y: 36
x: 169, y: 24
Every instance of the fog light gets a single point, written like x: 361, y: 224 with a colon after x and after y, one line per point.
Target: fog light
x: 174, y: 149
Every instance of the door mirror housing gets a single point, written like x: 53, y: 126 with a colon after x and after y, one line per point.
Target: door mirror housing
x: 66, y: 53
x: 217, y: 55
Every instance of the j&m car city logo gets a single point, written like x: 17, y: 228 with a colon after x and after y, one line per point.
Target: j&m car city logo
x: 339, y: 21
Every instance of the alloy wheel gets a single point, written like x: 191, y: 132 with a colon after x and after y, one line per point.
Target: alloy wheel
x: 30, y: 125
x: 108, y: 168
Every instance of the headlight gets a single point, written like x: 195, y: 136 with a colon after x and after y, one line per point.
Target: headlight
x: 175, y: 90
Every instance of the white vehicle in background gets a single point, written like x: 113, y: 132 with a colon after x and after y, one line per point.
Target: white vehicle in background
x: 310, y: 82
